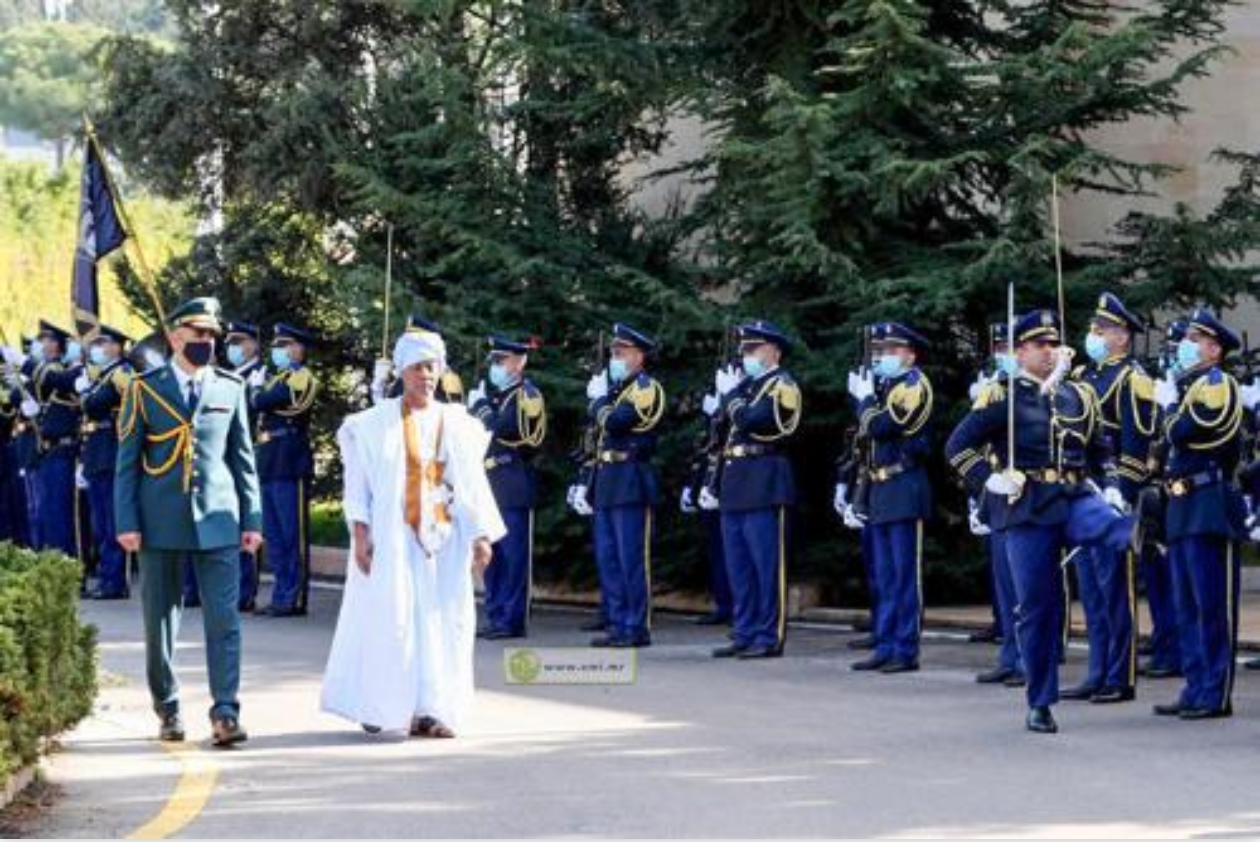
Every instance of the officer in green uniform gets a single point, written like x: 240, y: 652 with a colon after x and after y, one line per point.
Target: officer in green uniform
x: 186, y: 485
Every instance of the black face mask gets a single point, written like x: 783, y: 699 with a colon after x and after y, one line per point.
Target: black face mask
x: 199, y: 353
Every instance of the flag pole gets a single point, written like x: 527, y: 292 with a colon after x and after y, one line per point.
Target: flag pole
x: 146, y: 273
x: 389, y: 287
x: 1058, y: 250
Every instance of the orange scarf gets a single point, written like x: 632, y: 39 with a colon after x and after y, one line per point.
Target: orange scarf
x: 420, y: 475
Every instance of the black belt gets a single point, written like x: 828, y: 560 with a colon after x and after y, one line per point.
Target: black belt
x: 280, y: 433
x: 741, y: 451
x: 1054, y: 476
x: 46, y: 445
x: 1181, y: 486
x: 97, y: 426
x: 615, y: 456
x: 886, y: 472
x: 499, y: 461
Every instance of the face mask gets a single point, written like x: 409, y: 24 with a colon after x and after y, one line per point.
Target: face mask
x: 36, y: 351
x: 1006, y: 364
x: 74, y: 352
x: 753, y: 366
x: 889, y: 366
x: 499, y: 376
x: 98, y: 357
x: 235, y: 355
x: 1188, y: 354
x: 280, y: 357
x: 198, y: 353
x: 1096, y: 347
x: 617, y: 370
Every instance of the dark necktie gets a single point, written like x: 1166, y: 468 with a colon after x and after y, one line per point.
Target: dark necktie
x: 192, y: 396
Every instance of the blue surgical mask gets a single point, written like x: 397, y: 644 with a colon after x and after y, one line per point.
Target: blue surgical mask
x: 36, y: 351
x: 1096, y: 347
x: 280, y: 357
x: 1188, y: 354
x: 617, y: 370
x: 235, y: 355
x: 98, y: 357
x: 499, y: 376
x: 889, y: 366
x: 1006, y: 364
x: 74, y: 352
x: 753, y: 366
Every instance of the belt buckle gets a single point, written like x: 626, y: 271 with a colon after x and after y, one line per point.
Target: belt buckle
x: 264, y: 437
x: 1178, y: 488
x: 489, y: 464
x: 1051, y: 475
x: 739, y: 451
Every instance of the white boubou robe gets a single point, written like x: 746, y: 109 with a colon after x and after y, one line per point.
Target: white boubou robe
x: 404, y: 640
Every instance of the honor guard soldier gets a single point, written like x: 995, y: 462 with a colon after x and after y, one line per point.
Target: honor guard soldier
x: 52, y: 378
x: 757, y: 490
x: 1203, y: 427
x: 186, y: 486
x: 286, y: 464
x: 9, y: 520
x: 245, y: 361
x: 703, y: 472
x: 627, y: 406
x: 1127, y: 412
x: 512, y: 409
x: 450, y: 388
x: 23, y: 445
x: 1050, y: 505
x: 985, y: 516
x: 897, y: 419
x: 101, y: 393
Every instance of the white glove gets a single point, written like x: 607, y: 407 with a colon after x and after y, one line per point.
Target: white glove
x: 1254, y: 534
x: 978, y: 527
x: 1251, y: 396
x: 580, y: 503
x: 1112, y: 497
x: 477, y: 395
x: 982, y: 380
x: 1166, y: 391
x: 597, y: 386
x: 1003, y: 484
x: 861, y: 385
x: 82, y: 384
x: 80, y: 481
x: 30, y: 408
x: 1063, y: 364
x: 258, y: 379
x: 13, y: 380
x: 12, y: 356
x: 852, y: 519
x: 726, y: 379
x: 710, y: 404
x: 840, y: 500
x: 686, y: 504
x: 707, y: 501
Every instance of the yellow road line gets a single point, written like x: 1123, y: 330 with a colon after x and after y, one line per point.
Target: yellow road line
x: 196, y: 783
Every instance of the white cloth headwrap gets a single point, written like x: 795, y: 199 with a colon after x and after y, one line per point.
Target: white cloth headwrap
x: 418, y: 346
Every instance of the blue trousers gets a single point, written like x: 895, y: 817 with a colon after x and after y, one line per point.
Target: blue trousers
x: 1205, y: 583
x: 1005, y: 600
x: 623, y: 552
x: 58, y: 502
x: 756, y: 545
x: 719, y: 579
x: 284, y: 528
x: 1107, y: 595
x: 868, y: 567
x: 111, y: 571
x: 249, y: 579
x: 161, y: 574
x: 510, y: 575
x: 1165, y: 641
x: 898, y: 550
x: 30, y: 483
x: 14, y: 488
x: 1034, y: 554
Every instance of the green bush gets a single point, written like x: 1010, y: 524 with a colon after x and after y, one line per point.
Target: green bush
x: 47, y: 656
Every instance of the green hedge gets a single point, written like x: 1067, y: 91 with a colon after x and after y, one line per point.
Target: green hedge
x: 47, y: 656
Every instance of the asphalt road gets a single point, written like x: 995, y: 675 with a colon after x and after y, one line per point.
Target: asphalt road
x: 799, y: 746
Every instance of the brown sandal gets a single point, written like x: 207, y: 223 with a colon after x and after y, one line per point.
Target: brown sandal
x: 427, y: 726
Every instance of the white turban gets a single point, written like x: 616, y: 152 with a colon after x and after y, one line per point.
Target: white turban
x: 418, y: 346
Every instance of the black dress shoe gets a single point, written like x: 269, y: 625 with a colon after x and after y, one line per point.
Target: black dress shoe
x: 371, y: 729
x: 1155, y: 672
x: 988, y: 635
x: 172, y: 729
x: 1079, y: 693
x: 598, y: 624
x: 862, y: 643
x: 227, y: 731
x: 1112, y: 695
x: 1194, y: 714
x: 1016, y: 679
x: 712, y: 620
x: 1170, y: 709
x: 1253, y: 664
x: 754, y: 652
x: 1041, y: 721
x: 630, y: 642
x: 870, y: 664
x: 997, y: 675
x: 106, y: 596
x: 503, y: 634
x: 282, y: 611
x: 247, y: 607
x: 1145, y: 649
x: 605, y: 641
x: 729, y: 651
x: 893, y: 667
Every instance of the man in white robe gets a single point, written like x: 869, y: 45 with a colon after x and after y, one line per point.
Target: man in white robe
x: 422, y: 520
